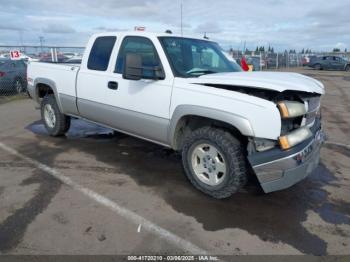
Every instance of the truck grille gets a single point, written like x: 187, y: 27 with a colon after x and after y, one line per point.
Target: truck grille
x: 313, y: 105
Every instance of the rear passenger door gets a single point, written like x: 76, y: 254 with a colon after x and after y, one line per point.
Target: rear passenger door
x: 92, y: 80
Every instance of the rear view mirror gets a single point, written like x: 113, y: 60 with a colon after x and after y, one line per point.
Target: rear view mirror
x: 132, y: 67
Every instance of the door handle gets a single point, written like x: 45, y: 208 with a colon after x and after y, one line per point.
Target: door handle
x: 113, y: 85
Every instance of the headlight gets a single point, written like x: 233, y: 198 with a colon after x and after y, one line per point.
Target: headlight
x: 290, y: 109
x: 294, y: 138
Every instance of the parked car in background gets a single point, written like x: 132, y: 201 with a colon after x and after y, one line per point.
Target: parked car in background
x: 330, y: 63
x: 307, y: 59
x: 4, y: 55
x: 253, y: 61
x: 74, y: 60
x: 70, y: 54
x: 27, y: 57
x: 48, y: 58
x: 271, y: 61
x: 12, y: 75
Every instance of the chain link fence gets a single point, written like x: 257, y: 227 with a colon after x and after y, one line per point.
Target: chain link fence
x: 269, y: 61
x: 14, y: 61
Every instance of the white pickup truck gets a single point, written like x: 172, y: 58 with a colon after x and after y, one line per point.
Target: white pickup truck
x: 186, y: 94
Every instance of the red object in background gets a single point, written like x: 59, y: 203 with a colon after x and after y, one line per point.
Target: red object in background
x: 2, y: 74
x: 140, y: 28
x: 244, y: 64
x: 15, y: 54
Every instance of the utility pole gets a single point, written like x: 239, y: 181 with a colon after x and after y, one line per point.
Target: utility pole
x: 20, y: 33
x: 42, y: 40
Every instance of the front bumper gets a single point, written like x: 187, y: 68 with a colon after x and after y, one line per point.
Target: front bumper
x: 277, y: 169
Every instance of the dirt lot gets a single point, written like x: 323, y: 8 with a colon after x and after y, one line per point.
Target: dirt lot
x: 93, y: 192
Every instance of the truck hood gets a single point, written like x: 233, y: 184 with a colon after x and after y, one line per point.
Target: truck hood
x: 277, y: 81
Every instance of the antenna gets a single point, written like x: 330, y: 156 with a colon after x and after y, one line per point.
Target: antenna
x: 181, y: 19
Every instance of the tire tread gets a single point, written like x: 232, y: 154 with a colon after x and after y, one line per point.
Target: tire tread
x: 62, y: 121
x: 233, y: 152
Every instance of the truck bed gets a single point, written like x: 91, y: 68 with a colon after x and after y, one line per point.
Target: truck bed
x: 63, y: 75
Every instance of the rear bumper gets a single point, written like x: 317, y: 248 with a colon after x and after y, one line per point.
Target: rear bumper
x: 278, y: 169
x: 30, y: 90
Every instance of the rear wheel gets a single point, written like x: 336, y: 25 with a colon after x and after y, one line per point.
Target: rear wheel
x: 214, y: 162
x: 347, y: 68
x: 56, y: 123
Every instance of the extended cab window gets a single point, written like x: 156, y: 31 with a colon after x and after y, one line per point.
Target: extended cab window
x: 101, y: 52
x: 142, y: 46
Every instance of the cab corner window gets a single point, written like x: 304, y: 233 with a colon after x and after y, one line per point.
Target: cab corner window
x: 101, y: 52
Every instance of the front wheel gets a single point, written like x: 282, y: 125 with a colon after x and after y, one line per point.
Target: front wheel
x: 318, y: 67
x: 214, y: 162
x: 347, y: 68
x: 56, y: 123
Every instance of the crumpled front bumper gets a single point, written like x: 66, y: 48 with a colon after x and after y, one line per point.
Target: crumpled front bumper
x: 277, y: 169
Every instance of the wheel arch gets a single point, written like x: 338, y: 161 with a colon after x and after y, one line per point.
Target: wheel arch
x: 43, y: 87
x: 186, y: 118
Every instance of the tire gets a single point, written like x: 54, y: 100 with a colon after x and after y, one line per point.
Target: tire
x: 18, y: 85
x: 347, y: 68
x: 56, y: 123
x: 318, y: 67
x: 230, y: 152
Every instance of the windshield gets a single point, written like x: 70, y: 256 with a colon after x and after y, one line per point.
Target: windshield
x: 194, y: 57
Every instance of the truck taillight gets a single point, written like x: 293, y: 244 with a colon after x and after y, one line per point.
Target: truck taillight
x: 2, y: 74
x: 29, y: 80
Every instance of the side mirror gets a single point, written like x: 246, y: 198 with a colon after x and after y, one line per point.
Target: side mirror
x: 132, y: 67
x: 134, y: 70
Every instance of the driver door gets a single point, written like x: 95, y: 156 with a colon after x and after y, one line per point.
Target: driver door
x: 144, y: 103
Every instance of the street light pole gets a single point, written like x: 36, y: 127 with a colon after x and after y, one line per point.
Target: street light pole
x: 42, y: 40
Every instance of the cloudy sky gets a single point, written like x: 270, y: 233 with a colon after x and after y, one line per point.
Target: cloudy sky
x: 320, y: 25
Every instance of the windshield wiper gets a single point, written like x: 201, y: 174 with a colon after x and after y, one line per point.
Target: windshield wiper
x: 200, y: 72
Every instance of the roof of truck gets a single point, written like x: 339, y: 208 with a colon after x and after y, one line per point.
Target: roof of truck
x: 147, y: 34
